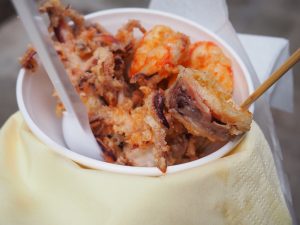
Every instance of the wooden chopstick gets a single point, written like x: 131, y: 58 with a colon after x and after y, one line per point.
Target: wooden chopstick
x: 289, y: 63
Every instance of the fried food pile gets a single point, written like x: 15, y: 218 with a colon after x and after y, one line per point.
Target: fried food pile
x: 154, y: 101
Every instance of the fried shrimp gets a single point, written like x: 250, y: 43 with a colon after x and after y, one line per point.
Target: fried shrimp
x: 159, y: 52
x: 207, y: 56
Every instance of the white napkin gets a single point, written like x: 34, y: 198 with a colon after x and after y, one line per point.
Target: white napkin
x: 213, y: 14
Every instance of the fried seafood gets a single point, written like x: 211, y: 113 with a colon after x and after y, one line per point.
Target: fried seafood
x: 201, y: 105
x: 158, y: 54
x: 58, y: 15
x: 125, y: 34
x: 135, y: 137
x: 94, y: 59
x: 144, y: 107
x: 28, y: 61
x: 206, y: 55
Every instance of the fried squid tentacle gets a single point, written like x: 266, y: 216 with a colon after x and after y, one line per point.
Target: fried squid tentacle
x: 59, y: 24
x: 28, y: 61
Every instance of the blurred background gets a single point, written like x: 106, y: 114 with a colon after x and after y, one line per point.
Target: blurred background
x: 279, y: 18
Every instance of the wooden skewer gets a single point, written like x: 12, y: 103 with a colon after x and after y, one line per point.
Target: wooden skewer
x: 289, y: 63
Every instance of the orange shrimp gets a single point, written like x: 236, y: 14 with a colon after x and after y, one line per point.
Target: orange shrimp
x: 207, y: 56
x: 159, y: 52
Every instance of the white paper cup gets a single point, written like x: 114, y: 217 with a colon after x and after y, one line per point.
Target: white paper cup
x: 35, y: 101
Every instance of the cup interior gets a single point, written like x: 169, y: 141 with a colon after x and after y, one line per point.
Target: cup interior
x: 37, y: 105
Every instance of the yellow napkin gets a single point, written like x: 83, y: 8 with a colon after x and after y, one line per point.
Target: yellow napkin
x: 40, y: 187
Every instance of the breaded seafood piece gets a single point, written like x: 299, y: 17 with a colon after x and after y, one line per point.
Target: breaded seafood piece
x: 206, y: 55
x: 201, y: 105
x: 158, y: 54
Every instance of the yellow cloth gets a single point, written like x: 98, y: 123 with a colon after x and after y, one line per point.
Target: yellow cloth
x: 40, y: 187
